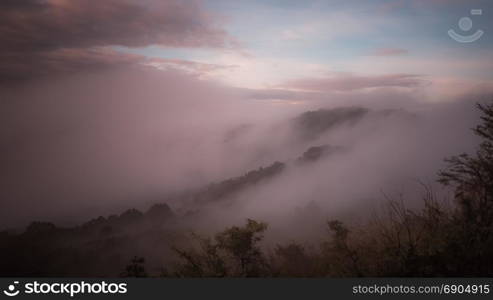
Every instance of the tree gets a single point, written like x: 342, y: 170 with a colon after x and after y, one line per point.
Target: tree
x: 472, y: 177
x: 135, y: 268
x: 341, y: 255
x: 234, y: 252
x: 241, y: 244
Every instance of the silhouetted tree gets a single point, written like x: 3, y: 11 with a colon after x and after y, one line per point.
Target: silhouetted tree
x: 472, y: 175
x: 472, y: 178
x: 234, y: 252
x: 241, y: 244
x: 340, y: 252
x: 135, y: 268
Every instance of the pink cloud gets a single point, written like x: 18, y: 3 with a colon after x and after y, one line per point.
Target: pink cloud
x: 389, y: 52
x: 194, y: 67
x: 354, y: 82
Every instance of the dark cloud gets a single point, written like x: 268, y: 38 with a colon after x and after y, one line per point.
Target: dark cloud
x: 73, y: 23
x: 40, y: 37
x: 18, y: 67
x: 277, y: 94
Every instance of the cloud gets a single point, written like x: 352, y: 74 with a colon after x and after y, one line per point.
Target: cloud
x: 395, y: 5
x: 54, y: 24
x: 63, y: 140
x: 191, y: 67
x: 60, y: 34
x: 389, y: 52
x: 346, y: 82
x: 290, y: 34
x: 19, y: 67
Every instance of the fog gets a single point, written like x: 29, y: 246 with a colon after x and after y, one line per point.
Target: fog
x: 99, y: 143
x: 395, y: 155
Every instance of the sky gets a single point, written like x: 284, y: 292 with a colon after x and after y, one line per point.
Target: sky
x: 104, y: 101
x: 254, y: 44
x: 284, y: 41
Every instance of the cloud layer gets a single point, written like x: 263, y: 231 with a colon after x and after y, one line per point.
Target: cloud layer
x: 40, y: 37
x: 355, y: 82
x: 389, y: 52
